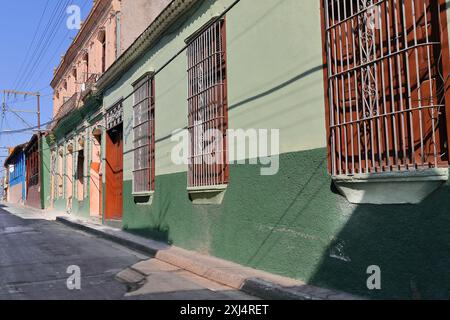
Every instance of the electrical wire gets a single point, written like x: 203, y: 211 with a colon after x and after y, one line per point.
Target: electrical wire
x: 43, y: 42
x: 31, y: 43
x: 46, y: 45
x: 63, y: 40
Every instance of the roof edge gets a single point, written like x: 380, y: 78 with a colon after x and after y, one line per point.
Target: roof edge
x: 14, y: 152
x: 146, y: 40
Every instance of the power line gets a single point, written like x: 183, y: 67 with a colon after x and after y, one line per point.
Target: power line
x: 31, y: 43
x: 42, y: 44
x: 38, y: 44
x: 14, y: 102
x: 46, y: 45
x: 63, y: 40
x: 131, y: 94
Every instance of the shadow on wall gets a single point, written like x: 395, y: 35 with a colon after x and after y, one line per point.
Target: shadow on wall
x: 410, y: 244
x: 296, y: 224
x: 157, y: 233
x: 159, y: 229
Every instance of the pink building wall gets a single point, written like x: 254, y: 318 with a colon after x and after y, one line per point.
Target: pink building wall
x: 15, y: 194
x: 132, y: 24
x: 95, y: 192
x: 34, y: 197
x: 108, y: 19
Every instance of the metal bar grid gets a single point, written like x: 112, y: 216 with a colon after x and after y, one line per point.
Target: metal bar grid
x: 385, y: 108
x: 207, y: 107
x: 144, y: 136
x: 32, y: 165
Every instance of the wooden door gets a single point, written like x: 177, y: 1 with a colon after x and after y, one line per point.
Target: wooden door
x: 114, y: 174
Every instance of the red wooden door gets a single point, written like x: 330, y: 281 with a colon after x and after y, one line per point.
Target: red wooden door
x: 114, y: 174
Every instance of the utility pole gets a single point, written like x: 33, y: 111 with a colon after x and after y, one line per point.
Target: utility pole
x: 24, y: 93
x: 38, y: 113
x: 4, y: 104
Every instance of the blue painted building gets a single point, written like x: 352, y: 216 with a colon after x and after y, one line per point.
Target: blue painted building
x: 16, y: 168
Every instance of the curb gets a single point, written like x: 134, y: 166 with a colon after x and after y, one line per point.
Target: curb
x: 253, y: 282
x: 111, y: 234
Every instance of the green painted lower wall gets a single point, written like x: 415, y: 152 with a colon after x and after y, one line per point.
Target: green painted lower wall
x: 79, y: 208
x: 60, y: 205
x: 291, y: 223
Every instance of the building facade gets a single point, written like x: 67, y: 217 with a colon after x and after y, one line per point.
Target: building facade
x: 33, y: 176
x: 74, y: 137
x: 16, y: 167
x: 304, y: 138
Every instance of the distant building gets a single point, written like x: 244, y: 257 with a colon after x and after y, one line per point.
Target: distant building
x: 33, y: 173
x: 15, y: 165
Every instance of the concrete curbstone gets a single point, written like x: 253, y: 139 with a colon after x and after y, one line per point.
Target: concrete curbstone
x: 253, y: 282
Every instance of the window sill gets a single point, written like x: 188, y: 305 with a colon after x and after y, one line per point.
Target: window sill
x: 143, y: 194
x: 391, y: 188
x: 209, y: 195
x: 143, y: 198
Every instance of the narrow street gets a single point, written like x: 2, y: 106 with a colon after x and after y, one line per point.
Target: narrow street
x: 35, y: 255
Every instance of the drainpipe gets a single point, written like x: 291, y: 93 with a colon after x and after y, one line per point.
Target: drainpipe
x: 118, y: 34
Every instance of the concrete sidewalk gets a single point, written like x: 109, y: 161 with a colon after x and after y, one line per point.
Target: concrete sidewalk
x: 29, y: 213
x: 253, y: 282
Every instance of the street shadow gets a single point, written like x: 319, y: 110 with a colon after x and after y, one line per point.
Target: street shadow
x: 410, y: 244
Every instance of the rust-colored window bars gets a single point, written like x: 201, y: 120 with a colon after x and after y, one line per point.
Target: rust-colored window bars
x: 144, y: 135
x: 208, y: 107
x: 385, y: 85
x: 32, y: 166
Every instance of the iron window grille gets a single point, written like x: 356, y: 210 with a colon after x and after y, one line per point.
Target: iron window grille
x: 144, y: 135
x: 207, y: 106
x: 32, y: 164
x: 385, y: 84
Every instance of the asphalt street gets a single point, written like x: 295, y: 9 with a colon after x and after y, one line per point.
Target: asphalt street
x: 36, y: 255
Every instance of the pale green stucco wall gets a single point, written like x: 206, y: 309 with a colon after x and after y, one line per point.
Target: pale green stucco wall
x: 274, y: 70
x: 294, y: 223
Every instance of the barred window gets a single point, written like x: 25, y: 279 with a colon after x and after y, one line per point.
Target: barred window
x: 385, y: 86
x: 32, y: 164
x: 144, y: 135
x: 207, y: 107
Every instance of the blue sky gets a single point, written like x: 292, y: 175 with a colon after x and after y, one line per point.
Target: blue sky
x: 27, y: 65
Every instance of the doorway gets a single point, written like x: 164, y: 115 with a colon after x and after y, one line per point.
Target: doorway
x: 114, y: 174
x: 96, y: 179
x: 69, y: 179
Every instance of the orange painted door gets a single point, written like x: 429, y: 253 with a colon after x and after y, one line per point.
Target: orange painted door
x: 114, y: 174
x: 95, y: 190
